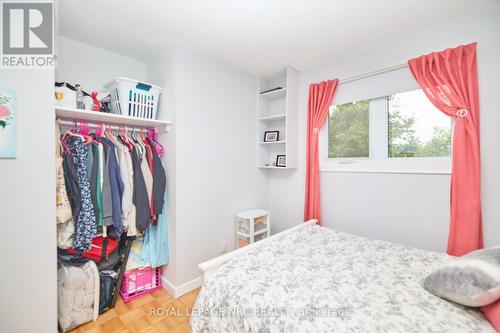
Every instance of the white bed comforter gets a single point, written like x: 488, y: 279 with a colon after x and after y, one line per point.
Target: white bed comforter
x: 319, y: 280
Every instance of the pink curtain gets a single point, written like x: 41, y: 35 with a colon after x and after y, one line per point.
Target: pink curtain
x: 320, y: 98
x: 449, y: 79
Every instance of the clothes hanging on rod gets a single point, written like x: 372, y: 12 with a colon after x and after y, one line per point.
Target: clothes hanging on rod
x: 114, y: 181
x: 86, y: 228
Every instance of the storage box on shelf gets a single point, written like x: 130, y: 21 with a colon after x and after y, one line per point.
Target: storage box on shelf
x: 133, y: 98
x: 133, y: 104
x: 278, y: 111
x: 251, y: 226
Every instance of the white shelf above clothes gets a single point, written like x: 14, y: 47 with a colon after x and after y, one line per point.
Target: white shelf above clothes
x: 277, y: 93
x: 273, y: 118
x: 73, y: 114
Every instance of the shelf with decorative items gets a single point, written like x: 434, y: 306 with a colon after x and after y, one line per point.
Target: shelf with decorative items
x: 126, y: 103
x: 77, y: 115
x: 277, y: 118
x: 252, y: 226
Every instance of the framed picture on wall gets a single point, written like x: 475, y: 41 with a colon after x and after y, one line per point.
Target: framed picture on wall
x: 271, y: 136
x: 281, y: 161
x: 7, y: 123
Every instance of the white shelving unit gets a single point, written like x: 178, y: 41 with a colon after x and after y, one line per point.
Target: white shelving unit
x: 278, y: 111
x: 251, y: 226
x: 281, y: 92
x: 273, y: 118
x: 73, y: 114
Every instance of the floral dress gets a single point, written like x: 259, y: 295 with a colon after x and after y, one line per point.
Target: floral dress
x: 85, y: 226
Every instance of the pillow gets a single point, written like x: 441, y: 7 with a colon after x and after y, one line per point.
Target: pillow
x: 471, y: 280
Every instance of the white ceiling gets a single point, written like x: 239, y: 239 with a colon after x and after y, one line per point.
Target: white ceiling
x: 260, y: 36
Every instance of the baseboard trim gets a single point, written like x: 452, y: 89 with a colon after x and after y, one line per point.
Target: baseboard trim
x: 183, y: 289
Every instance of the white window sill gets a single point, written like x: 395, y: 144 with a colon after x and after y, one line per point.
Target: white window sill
x: 387, y: 171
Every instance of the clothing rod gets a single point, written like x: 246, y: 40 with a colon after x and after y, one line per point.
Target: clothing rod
x: 373, y: 73
x: 96, y: 125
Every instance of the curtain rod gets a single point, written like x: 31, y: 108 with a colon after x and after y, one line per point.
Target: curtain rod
x: 96, y: 125
x: 373, y: 73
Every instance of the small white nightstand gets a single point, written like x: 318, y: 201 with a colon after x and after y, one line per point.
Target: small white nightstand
x: 252, y: 226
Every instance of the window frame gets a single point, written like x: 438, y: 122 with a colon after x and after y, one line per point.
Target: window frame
x: 379, y: 160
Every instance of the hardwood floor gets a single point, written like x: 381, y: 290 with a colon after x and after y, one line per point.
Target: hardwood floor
x: 153, y: 313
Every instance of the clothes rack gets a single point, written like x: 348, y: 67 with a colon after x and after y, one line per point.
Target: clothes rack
x: 103, y: 125
x: 112, y: 190
x: 72, y: 114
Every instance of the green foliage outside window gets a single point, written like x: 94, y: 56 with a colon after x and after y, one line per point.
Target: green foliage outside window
x: 348, y: 134
x: 349, y: 130
x: 403, y: 140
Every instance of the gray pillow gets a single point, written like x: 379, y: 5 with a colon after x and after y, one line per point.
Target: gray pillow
x: 471, y: 280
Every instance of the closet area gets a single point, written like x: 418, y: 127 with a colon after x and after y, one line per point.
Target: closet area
x: 111, y: 206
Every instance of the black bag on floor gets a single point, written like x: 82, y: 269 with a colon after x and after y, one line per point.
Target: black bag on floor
x: 107, y: 289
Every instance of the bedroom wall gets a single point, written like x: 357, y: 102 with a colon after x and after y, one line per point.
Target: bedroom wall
x: 214, y: 106
x: 161, y: 71
x: 27, y: 212
x: 412, y: 209
x: 93, y: 67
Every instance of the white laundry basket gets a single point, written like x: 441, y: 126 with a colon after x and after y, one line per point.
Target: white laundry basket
x: 133, y: 98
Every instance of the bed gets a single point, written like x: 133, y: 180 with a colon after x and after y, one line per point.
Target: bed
x: 314, y: 279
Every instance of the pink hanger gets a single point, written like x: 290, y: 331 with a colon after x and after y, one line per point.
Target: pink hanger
x: 99, y: 130
x: 152, y: 135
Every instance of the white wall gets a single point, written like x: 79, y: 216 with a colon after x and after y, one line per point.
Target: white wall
x: 28, y: 277
x: 161, y: 71
x: 215, y: 174
x: 404, y: 208
x: 93, y: 67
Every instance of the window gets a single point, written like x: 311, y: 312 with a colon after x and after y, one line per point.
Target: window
x: 416, y: 128
x: 349, y: 130
x: 397, y: 133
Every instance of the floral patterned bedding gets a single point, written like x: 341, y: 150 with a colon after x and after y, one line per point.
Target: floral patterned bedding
x: 319, y: 280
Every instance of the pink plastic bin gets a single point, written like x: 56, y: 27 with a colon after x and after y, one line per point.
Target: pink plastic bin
x: 140, y: 281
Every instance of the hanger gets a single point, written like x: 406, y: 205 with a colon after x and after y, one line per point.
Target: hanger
x: 111, y: 133
x: 100, y: 128
x: 152, y: 134
x: 123, y: 138
x: 73, y: 132
x: 84, y: 131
